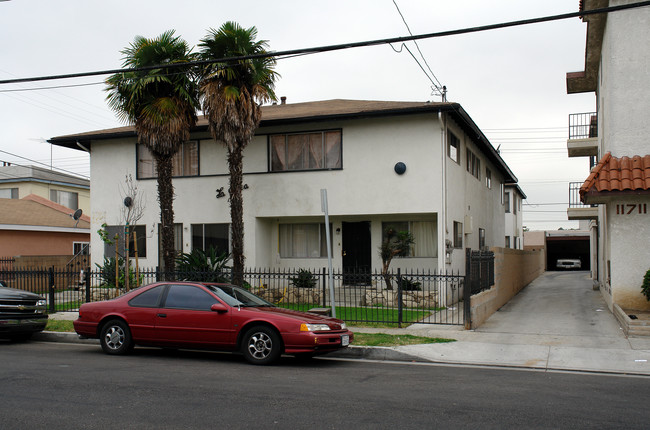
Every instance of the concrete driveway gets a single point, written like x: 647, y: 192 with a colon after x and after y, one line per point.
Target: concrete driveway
x: 558, y: 308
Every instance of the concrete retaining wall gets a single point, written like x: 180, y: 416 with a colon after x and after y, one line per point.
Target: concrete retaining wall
x: 513, y: 270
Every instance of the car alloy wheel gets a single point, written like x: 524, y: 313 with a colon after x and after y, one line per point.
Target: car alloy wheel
x: 261, y: 345
x: 116, y: 337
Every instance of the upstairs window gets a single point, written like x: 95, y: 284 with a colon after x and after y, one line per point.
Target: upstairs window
x: 185, y: 161
x: 488, y: 178
x: 473, y: 165
x: 9, y: 193
x: 506, y: 201
x: 453, y: 147
x: 65, y: 198
x: 319, y: 150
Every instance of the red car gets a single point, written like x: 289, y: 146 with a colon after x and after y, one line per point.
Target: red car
x: 210, y: 316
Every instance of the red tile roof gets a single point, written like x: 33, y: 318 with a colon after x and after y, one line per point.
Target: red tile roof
x: 618, y: 174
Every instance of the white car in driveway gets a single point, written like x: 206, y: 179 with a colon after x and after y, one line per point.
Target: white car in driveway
x: 568, y: 263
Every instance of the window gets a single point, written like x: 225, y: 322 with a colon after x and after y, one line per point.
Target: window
x: 506, y: 201
x: 303, y: 241
x: 453, y: 147
x: 481, y: 238
x: 488, y: 178
x: 458, y: 234
x: 305, y: 151
x: 514, y: 203
x: 141, y: 236
x: 185, y: 162
x: 80, y: 248
x: 178, y: 243
x: 148, y: 299
x: 473, y: 164
x: 206, y: 236
x: 9, y: 193
x: 188, y: 297
x: 424, y: 236
x: 507, y: 241
x: 65, y: 198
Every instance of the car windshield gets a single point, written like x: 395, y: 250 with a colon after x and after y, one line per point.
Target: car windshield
x: 235, y: 296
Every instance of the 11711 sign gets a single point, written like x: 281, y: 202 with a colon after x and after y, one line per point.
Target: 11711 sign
x: 630, y: 208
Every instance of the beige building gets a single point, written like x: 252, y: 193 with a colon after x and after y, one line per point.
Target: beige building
x: 70, y: 191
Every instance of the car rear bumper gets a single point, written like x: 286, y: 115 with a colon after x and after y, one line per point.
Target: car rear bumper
x: 85, y: 329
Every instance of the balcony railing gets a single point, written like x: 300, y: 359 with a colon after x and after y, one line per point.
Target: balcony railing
x: 583, y: 125
x: 574, y: 196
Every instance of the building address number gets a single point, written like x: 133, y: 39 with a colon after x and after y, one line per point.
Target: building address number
x: 631, y: 208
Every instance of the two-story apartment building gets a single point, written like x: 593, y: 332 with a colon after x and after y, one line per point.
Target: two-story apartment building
x: 513, y: 202
x: 419, y: 166
x: 616, y: 195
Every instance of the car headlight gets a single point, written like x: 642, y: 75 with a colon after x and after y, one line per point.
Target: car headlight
x: 344, y: 326
x: 41, y: 302
x: 314, y: 327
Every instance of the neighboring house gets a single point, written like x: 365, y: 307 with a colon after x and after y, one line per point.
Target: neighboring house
x: 417, y: 166
x: 70, y: 191
x: 513, y: 200
x: 616, y: 195
x: 34, y: 226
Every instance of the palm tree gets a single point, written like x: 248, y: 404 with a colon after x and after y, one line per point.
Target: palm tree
x: 162, y: 104
x: 232, y: 93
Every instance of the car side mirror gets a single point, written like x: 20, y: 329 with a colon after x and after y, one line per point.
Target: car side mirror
x: 219, y: 307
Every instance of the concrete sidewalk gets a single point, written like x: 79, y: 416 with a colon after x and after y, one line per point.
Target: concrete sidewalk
x: 556, y: 323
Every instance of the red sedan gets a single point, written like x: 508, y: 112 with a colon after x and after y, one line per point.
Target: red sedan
x: 211, y: 316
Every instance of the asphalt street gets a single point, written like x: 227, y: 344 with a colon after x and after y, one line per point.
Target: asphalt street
x: 61, y: 386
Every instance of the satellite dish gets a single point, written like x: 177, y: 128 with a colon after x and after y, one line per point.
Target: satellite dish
x: 128, y: 201
x: 77, y: 214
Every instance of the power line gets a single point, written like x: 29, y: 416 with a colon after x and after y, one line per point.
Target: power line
x: 42, y: 164
x: 329, y: 48
x: 436, y: 85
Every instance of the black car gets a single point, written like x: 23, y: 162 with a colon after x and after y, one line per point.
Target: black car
x: 21, y: 313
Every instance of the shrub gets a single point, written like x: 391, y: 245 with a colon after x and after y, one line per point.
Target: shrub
x: 645, y: 287
x: 305, y: 279
x: 204, y: 266
x: 107, y: 274
x: 410, y: 285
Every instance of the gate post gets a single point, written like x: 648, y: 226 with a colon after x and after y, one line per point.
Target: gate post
x: 87, y: 282
x: 399, y: 298
x: 50, y: 284
x: 324, y: 283
x: 467, y: 289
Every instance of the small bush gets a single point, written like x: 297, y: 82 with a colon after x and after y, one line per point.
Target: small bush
x: 645, y: 287
x: 107, y: 274
x: 204, y: 266
x: 305, y: 279
x: 410, y: 285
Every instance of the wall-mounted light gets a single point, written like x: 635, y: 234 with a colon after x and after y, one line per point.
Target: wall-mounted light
x: 400, y: 168
x: 245, y: 186
x: 220, y: 193
x: 338, y: 230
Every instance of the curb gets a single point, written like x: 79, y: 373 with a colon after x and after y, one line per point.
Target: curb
x: 352, y: 352
x: 63, y: 337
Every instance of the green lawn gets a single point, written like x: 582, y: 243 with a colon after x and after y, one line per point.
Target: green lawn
x: 368, y: 316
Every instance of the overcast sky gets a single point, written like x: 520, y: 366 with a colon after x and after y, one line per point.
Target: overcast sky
x: 510, y: 81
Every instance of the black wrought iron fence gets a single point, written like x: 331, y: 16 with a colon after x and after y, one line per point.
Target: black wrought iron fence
x: 400, y: 297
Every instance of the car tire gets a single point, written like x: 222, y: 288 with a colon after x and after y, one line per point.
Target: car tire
x: 261, y: 345
x: 115, y: 338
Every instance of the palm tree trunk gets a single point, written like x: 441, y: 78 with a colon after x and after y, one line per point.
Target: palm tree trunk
x: 164, y: 168
x: 235, y: 165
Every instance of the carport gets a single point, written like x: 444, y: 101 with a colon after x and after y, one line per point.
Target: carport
x: 567, y: 246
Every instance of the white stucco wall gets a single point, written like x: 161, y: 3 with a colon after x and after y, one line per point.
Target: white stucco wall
x: 623, y: 103
x: 623, y: 98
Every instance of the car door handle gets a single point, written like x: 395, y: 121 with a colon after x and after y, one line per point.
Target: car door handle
x: 162, y: 315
